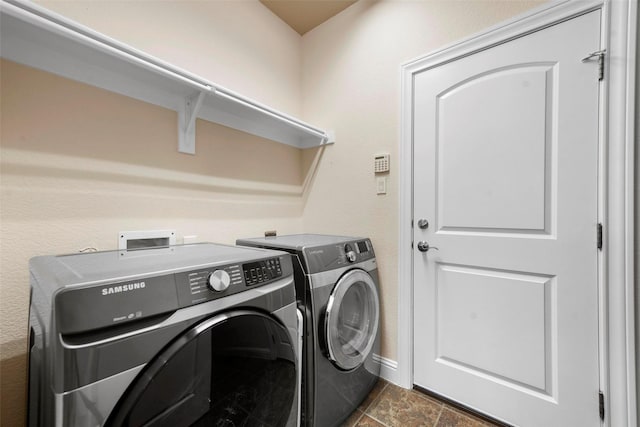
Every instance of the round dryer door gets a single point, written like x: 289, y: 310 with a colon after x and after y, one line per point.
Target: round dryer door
x: 351, y: 319
x: 235, y: 368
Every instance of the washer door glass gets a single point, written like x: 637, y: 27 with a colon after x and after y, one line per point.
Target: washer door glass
x: 351, y: 319
x: 233, y: 369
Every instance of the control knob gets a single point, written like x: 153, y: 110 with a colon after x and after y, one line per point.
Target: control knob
x: 219, y: 281
x: 350, y: 253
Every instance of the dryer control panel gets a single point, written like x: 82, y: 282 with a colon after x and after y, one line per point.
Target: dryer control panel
x: 339, y: 255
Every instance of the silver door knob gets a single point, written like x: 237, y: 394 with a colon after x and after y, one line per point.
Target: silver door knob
x: 423, y: 223
x: 424, y: 246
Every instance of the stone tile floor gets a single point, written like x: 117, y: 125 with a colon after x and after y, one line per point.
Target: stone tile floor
x: 389, y: 406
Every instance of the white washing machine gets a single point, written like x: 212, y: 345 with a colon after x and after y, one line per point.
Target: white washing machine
x: 189, y: 335
x: 337, y: 289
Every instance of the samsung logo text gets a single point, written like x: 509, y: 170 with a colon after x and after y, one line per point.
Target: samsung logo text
x: 123, y: 288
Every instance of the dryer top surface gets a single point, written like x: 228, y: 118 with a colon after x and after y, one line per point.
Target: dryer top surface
x: 318, y: 252
x: 298, y: 241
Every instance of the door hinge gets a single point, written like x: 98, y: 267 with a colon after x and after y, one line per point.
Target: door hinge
x: 599, y: 236
x: 599, y: 55
x: 601, y: 405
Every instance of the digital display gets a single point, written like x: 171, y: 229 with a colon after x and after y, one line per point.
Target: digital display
x: 362, y: 247
x: 262, y: 271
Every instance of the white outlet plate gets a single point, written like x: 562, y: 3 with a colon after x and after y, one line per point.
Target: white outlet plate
x: 190, y: 239
x: 381, y: 185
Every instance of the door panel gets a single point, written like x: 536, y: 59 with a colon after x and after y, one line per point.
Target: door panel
x: 502, y: 160
x: 505, y: 172
x: 473, y: 305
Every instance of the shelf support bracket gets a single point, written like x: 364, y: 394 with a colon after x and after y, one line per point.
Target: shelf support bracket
x: 329, y: 138
x: 187, y: 114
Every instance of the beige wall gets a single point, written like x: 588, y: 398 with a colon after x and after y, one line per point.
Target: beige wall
x: 79, y: 164
x: 240, y: 45
x: 351, y: 83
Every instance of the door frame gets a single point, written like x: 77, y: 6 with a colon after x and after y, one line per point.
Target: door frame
x: 615, y: 190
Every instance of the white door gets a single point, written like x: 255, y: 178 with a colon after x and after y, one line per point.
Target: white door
x: 505, y: 173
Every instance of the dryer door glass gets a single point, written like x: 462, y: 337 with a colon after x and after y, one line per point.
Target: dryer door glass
x: 232, y: 369
x: 351, y: 319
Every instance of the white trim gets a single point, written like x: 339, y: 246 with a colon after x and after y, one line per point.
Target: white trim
x: 405, y: 237
x: 617, y: 203
x: 620, y: 389
x: 388, y: 368
x: 534, y: 20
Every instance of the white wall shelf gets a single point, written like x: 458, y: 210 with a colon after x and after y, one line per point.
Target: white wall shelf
x: 33, y: 36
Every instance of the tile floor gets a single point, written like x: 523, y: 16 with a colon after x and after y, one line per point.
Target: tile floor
x: 389, y: 406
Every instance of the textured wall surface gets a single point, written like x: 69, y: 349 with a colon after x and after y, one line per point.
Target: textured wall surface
x: 239, y: 45
x: 79, y: 164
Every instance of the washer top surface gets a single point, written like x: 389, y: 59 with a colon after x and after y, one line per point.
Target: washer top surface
x: 94, y: 290
x: 79, y: 268
x: 300, y: 241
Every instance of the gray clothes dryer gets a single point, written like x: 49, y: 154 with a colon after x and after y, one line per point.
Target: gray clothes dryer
x: 337, y: 289
x: 200, y: 334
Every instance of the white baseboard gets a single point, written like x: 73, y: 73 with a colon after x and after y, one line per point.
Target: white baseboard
x: 388, y: 369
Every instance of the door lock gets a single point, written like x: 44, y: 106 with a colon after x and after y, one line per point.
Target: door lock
x: 424, y: 246
x: 423, y: 223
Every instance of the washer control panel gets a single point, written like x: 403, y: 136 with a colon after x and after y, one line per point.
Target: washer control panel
x: 207, y: 284
x: 259, y: 272
x: 154, y: 282
x: 202, y: 282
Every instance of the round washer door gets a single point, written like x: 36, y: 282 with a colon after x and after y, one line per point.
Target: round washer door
x: 351, y: 319
x: 235, y: 368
